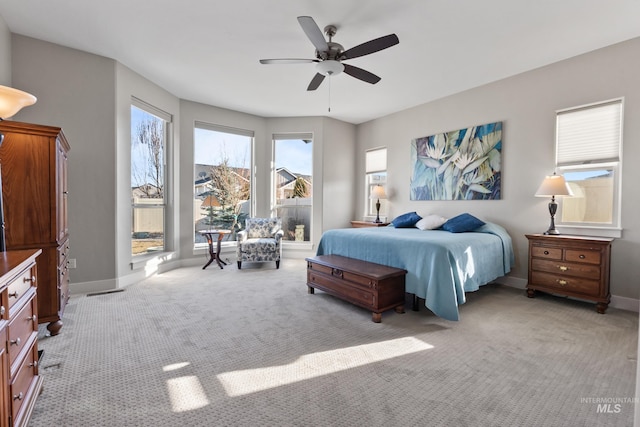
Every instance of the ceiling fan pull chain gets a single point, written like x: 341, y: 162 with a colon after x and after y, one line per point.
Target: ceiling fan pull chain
x: 329, y: 94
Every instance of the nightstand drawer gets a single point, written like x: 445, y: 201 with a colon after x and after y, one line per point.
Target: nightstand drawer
x: 544, y: 252
x: 567, y: 269
x: 564, y: 283
x: 590, y: 257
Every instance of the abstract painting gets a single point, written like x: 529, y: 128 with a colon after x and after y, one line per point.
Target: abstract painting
x: 459, y: 165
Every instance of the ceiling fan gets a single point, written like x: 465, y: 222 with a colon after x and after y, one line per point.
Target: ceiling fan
x: 329, y: 55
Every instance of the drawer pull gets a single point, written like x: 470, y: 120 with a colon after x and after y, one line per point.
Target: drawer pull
x: 2, y: 310
x: 34, y: 364
x: 32, y: 318
x: 563, y: 268
x: 13, y: 294
x: 18, y: 396
x: 336, y: 272
x: 562, y: 282
x: 546, y: 252
x: 17, y: 341
x: 581, y: 256
x: 29, y: 279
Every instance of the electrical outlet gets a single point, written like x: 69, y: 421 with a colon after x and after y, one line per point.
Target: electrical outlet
x: 71, y: 263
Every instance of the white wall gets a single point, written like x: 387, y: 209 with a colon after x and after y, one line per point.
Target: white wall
x: 5, y: 54
x: 526, y: 104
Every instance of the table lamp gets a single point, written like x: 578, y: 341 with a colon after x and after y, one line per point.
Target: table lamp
x: 378, y: 193
x: 552, y: 186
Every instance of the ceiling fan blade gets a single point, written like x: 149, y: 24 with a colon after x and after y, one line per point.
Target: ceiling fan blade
x: 361, y: 74
x: 370, y: 47
x: 288, y: 61
x: 315, y: 82
x: 313, y: 32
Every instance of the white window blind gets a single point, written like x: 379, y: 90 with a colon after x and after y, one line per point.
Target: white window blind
x: 376, y: 160
x: 588, y: 134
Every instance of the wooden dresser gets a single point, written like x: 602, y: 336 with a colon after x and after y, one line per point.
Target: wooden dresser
x: 20, y: 383
x: 34, y: 177
x: 573, y: 266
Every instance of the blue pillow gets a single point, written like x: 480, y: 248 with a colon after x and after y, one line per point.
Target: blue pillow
x: 462, y: 223
x: 406, y: 220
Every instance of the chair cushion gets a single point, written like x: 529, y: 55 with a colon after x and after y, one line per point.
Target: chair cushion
x: 259, y: 244
x: 262, y: 227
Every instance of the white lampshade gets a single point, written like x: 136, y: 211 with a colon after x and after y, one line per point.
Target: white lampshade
x: 554, y: 185
x: 378, y: 192
x: 12, y: 100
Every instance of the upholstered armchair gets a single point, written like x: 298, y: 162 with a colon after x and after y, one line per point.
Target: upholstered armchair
x: 260, y: 241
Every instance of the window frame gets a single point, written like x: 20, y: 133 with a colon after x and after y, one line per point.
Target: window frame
x: 167, y: 120
x: 207, y: 126
x: 274, y: 197
x: 614, y: 229
x: 374, y: 168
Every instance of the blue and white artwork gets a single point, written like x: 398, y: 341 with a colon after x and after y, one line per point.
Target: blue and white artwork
x: 459, y: 165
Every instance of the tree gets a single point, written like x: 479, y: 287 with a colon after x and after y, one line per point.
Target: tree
x: 148, y: 169
x: 230, y: 187
x: 300, y: 188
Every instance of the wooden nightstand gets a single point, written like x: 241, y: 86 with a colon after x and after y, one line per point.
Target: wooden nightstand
x: 574, y: 266
x: 362, y: 224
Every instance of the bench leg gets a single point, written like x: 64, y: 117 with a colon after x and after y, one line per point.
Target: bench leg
x: 415, y: 306
x: 376, y: 317
x: 310, y: 290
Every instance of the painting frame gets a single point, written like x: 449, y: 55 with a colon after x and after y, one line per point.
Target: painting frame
x: 464, y: 164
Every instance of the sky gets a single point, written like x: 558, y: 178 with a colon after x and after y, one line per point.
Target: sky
x: 210, y: 146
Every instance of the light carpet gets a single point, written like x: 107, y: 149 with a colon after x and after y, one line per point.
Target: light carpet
x: 251, y: 347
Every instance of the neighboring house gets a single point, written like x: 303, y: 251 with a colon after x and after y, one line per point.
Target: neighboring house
x: 286, y: 181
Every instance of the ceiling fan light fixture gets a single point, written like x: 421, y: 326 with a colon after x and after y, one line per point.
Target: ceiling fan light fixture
x: 329, y: 67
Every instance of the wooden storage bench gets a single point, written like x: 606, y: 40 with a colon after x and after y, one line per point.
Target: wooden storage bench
x: 372, y: 286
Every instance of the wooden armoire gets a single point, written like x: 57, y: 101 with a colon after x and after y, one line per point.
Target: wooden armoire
x: 33, y: 160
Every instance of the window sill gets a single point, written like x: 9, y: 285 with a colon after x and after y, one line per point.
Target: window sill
x: 151, y: 260
x: 591, y: 231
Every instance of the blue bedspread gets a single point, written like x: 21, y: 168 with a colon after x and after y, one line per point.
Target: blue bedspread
x: 441, y: 266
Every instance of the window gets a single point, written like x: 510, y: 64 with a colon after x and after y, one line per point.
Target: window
x: 222, y: 179
x: 376, y: 174
x: 149, y: 135
x: 293, y: 184
x: 588, y: 154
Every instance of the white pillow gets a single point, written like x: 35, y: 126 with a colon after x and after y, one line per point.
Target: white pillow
x: 430, y: 222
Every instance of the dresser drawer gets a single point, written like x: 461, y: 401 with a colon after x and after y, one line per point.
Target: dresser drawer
x: 23, y: 384
x: 563, y: 284
x: 20, y: 286
x: 544, y: 252
x: 587, y: 271
x: 22, y: 328
x: 585, y: 256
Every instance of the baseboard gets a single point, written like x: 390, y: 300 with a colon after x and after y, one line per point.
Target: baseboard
x: 624, y: 303
x: 91, y: 287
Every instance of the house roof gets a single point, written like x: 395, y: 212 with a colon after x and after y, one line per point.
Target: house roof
x: 208, y: 51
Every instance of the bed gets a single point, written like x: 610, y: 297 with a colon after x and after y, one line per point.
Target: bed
x: 441, y: 266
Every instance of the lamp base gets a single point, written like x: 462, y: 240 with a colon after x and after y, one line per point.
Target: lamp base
x: 552, y: 232
x: 377, y: 221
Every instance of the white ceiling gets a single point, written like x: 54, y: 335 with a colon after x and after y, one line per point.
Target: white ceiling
x: 208, y: 50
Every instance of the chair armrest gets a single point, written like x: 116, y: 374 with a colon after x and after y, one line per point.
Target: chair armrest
x: 241, y: 235
x: 279, y: 234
